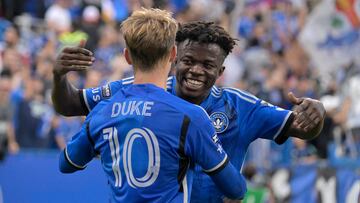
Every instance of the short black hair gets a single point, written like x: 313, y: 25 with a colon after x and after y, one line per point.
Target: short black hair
x: 206, y: 32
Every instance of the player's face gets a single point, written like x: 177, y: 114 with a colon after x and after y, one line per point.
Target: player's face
x: 198, y: 65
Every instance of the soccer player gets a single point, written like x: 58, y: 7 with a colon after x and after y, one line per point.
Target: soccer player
x: 148, y: 139
x: 238, y: 117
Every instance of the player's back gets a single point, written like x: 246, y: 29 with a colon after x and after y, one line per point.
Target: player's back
x: 139, y: 134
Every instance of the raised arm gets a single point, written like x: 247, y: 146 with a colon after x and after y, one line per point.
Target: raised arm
x: 309, y: 115
x: 66, y: 97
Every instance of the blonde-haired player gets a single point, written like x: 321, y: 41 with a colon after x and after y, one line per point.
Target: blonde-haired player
x: 148, y: 139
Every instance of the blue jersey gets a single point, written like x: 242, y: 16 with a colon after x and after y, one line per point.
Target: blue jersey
x: 148, y: 141
x: 238, y: 118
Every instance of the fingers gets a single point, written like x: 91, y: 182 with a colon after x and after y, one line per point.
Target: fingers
x: 73, y: 59
x: 77, y: 50
x: 305, y: 122
x: 303, y: 106
x: 75, y: 63
x: 67, y: 68
x: 294, y: 100
x: 66, y: 56
x: 308, y: 115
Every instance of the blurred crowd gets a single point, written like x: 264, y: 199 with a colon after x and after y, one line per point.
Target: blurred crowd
x: 269, y: 62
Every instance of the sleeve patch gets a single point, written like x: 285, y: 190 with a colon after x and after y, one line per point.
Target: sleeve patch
x: 106, y: 91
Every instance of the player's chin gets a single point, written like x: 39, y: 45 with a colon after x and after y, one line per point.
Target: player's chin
x: 192, y: 92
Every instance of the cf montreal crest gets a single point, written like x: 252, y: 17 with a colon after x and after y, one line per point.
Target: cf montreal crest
x: 220, y: 121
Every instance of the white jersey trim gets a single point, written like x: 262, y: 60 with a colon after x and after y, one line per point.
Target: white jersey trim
x: 71, y: 162
x: 127, y: 82
x: 251, y: 100
x: 128, y: 78
x: 217, y: 166
x: 282, y: 125
x: 243, y: 92
x: 215, y: 91
x: 185, y: 189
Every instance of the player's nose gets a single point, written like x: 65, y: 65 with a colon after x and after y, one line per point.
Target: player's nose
x: 196, y: 69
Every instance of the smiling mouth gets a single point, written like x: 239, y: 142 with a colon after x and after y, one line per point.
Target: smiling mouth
x: 193, y: 84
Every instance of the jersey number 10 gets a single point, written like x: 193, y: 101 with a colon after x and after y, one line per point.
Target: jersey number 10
x: 153, y: 156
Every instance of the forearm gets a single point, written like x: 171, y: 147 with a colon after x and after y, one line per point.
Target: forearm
x: 65, y: 97
x: 60, y: 141
x: 13, y: 146
x: 65, y: 166
x: 230, y: 182
x: 10, y: 133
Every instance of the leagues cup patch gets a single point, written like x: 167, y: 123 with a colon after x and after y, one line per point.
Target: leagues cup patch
x: 105, y: 90
x: 220, y: 121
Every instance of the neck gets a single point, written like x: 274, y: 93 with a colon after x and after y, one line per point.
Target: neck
x: 158, y: 76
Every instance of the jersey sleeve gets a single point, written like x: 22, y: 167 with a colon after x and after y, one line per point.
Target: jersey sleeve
x: 90, y: 97
x: 268, y: 122
x: 78, y: 152
x: 204, y: 147
x: 171, y: 85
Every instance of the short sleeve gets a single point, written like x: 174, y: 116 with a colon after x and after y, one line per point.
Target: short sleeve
x: 80, y: 149
x: 90, y: 97
x: 204, y: 147
x: 268, y: 122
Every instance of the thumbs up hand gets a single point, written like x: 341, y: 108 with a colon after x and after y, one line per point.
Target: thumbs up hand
x: 73, y: 59
x: 309, y: 116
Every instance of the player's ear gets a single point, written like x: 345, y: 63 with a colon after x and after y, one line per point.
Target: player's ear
x: 173, y: 53
x: 127, y: 56
x: 221, y: 70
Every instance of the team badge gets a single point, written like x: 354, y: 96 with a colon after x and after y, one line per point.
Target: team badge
x: 220, y: 121
x: 105, y: 90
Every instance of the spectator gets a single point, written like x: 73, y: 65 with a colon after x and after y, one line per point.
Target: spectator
x: 65, y: 128
x: 33, y: 116
x: 58, y: 17
x: 7, y: 136
x: 302, y: 152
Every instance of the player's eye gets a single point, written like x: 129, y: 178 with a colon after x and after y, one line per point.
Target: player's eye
x: 209, y: 66
x: 187, y: 61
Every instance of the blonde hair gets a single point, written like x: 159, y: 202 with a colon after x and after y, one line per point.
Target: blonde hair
x: 149, y: 35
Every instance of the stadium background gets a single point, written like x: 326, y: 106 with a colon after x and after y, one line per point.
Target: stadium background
x: 310, y: 47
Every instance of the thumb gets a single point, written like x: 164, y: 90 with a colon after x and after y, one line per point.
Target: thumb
x: 82, y: 43
x: 294, y: 100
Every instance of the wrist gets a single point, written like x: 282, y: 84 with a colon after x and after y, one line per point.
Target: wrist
x: 58, y: 75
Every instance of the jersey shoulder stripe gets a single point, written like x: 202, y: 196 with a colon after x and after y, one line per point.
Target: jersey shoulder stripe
x: 242, y: 95
x: 216, y: 92
x: 128, y: 80
x: 169, y: 83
